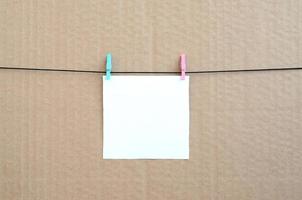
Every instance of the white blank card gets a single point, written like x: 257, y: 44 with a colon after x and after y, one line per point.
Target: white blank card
x: 146, y: 117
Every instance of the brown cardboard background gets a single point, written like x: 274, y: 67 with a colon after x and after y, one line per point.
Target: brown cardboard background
x: 150, y: 35
x: 245, y: 137
x: 245, y: 141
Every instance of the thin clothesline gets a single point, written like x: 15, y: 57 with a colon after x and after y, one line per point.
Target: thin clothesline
x: 149, y: 72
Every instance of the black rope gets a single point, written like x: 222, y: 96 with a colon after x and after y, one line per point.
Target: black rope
x: 157, y: 72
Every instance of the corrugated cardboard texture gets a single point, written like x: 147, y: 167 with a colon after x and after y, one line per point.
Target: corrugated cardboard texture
x: 245, y: 130
x: 150, y: 35
x: 245, y: 141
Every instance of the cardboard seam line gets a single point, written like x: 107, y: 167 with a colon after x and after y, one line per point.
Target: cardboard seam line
x: 149, y: 72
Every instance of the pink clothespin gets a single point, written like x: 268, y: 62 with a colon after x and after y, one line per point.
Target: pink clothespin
x: 183, y: 66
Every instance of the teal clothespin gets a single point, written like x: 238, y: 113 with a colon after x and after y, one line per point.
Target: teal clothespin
x: 108, y: 66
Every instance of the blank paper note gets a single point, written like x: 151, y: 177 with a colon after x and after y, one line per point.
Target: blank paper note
x: 146, y: 117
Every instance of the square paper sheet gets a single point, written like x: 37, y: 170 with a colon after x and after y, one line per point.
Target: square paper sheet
x: 146, y: 117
